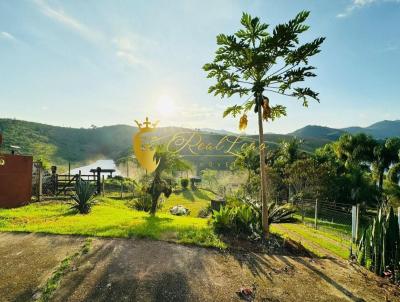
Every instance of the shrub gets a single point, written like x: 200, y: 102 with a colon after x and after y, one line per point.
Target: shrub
x: 184, y: 183
x: 245, y: 219
x: 143, y: 203
x: 204, y: 212
x: 83, y: 197
x: 222, y: 220
x: 280, y: 213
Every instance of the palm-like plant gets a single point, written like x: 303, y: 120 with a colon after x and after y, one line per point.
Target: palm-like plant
x: 254, y: 61
x: 168, y: 162
x: 84, y: 196
x: 385, y: 155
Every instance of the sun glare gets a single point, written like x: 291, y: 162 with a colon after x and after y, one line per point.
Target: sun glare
x: 166, y: 105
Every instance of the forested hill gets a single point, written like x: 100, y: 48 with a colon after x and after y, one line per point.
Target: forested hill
x: 380, y: 130
x: 60, y: 145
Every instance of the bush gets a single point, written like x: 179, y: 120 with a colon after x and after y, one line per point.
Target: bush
x: 222, y: 220
x: 280, y: 213
x: 143, y: 203
x: 83, y: 197
x: 246, y: 219
x: 184, y: 183
x: 204, y: 212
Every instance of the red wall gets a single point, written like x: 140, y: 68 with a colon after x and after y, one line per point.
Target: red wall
x: 15, y: 180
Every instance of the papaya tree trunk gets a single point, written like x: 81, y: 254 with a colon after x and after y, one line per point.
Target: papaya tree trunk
x: 380, y: 182
x: 263, y: 177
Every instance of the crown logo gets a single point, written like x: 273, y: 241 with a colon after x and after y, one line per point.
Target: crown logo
x: 146, y: 124
x: 144, y: 152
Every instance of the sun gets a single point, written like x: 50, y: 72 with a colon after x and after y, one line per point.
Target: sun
x: 166, y: 106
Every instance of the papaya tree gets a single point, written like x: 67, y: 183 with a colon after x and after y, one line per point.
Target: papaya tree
x: 254, y: 62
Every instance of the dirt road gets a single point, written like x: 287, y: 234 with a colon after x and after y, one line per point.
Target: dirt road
x: 145, y: 270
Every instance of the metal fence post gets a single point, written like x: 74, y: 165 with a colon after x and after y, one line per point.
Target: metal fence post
x: 302, y: 210
x: 354, y: 222
x: 357, y: 220
x: 316, y: 214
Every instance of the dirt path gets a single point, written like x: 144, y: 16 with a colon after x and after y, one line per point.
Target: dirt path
x: 27, y: 261
x: 145, y: 270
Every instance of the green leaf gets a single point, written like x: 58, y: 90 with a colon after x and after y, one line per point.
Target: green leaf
x: 233, y: 110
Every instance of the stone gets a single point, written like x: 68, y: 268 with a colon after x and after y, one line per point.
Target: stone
x: 179, y: 210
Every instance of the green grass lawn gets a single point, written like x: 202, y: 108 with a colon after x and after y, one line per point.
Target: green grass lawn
x: 108, y: 218
x: 338, y: 229
x: 192, y: 200
x: 314, y: 240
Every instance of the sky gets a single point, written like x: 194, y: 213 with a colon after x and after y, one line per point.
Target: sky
x: 95, y: 62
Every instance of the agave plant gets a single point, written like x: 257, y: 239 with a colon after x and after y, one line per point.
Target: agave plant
x: 84, y: 194
x: 280, y: 213
x: 379, y: 246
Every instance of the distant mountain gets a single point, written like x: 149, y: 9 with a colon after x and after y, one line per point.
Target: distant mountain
x: 320, y: 132
x: 380, y: 130
x: 220, y: 131
x: 60, y: 145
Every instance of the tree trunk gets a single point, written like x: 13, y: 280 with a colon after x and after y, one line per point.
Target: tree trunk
x: 380, y: 184
x: 263, y: 178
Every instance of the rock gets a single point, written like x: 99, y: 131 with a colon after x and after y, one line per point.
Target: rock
x: 37, y: 296
x: 179, y: 210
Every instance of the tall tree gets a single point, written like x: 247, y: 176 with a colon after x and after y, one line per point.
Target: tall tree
x: 254, y: 61
x: 356, y: 149
x: 385, y: 154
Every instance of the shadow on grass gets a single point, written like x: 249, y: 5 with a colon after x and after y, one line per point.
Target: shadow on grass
x: 200, y: 194
x: 188, y: 194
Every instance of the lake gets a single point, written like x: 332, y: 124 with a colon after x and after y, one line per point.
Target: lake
x: 102, y: 163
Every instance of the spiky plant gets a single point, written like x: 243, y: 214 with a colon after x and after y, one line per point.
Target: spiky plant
x: 83, y: 197
x: 379, y: 246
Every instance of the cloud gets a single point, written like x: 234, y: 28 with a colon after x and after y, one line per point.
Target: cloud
x: 358, y: 4
x: 128, y: 48
x: 7, y: 36
x: 68, y: 21
x: 123, y: 47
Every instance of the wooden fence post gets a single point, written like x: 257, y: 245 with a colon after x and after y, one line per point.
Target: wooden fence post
x: 40, y: 183
x: 121, y: 189
x: 398, y: 215
x: 316, y: 214
x: 103, y: 186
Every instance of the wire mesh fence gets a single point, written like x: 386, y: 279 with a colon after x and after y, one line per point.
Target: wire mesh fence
x: 338, y: 223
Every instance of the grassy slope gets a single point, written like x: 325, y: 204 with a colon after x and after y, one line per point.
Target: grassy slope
x: 108, y: 218
x: 320, y: 242
x: 59, y: 145
x: 192, y: 200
